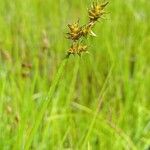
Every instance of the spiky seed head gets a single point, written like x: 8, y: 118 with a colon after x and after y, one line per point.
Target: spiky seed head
x: 96, y: 11
x: 75, y: 31
x: 77, y: 48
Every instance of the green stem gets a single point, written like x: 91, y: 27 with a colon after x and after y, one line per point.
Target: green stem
x: 97, y: 109
x: 38, y: 118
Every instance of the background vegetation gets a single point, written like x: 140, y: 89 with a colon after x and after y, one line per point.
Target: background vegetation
x: 98, y: 101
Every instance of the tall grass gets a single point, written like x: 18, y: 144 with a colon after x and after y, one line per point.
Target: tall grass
x: 46, y: 101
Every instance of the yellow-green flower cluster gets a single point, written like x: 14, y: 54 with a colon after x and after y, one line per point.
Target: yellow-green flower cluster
x: 76, y: 32
x: 77, y: 48
x: 96, y: 11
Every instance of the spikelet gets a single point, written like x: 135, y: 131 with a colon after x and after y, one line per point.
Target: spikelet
x: 77, y: 48
x: 75, y: 31
x: 96, y: 11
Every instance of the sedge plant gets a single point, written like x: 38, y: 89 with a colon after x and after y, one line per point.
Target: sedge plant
x: 76, y: 35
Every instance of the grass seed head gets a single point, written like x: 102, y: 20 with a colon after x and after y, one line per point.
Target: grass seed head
x: 96, y: 11
x: 77, y: 48
x: 75, y: 31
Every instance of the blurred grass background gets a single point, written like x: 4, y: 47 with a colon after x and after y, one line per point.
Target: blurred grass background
x: 102, y: 100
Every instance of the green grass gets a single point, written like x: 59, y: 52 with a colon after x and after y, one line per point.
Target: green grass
x: 98, y: 101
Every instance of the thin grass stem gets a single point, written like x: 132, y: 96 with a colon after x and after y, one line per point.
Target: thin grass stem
x: 39, y: 117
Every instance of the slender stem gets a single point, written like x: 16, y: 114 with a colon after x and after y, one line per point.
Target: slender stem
x: 40, y: 114
x: 97, y: 109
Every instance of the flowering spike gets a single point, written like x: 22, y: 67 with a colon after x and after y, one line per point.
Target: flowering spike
x: 76, y: 32
x: 77, y: 48
x: 96, y: 11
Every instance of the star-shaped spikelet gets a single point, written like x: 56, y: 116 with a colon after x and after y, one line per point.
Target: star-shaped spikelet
x: 96, y: 11
x: 77, y: 48
x: 75, y: 31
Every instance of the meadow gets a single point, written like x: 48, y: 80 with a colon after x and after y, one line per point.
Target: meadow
x: 97, y: 101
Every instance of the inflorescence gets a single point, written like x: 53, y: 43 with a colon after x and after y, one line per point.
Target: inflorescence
x: 76, y: 32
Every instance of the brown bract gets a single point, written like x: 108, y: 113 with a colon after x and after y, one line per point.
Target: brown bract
x: 87, y: 29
